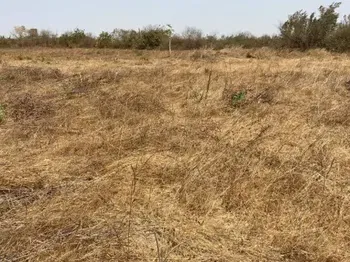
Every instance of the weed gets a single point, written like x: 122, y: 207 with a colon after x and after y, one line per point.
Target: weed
x: 2, y: 113
x: 238, y: 98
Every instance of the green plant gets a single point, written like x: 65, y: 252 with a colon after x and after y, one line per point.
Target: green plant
x: 2, y: 113
x: 238, y: 98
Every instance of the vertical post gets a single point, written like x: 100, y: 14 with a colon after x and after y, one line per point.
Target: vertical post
x: 169, y: 31
x: 169, y: 45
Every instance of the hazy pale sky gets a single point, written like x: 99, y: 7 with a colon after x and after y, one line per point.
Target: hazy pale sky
x: 220, y: 16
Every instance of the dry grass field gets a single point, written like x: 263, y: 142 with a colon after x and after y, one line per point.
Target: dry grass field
x: 110, y: 155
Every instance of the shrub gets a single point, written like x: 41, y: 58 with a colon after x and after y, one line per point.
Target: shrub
x: 192, y: 38
x: 339, y: 41
x: 5, y: 42
x: 152, y: 37
x: 104, y: 40
x: 2, y: 114
x: 76, y: 38
x: 47, y: 38
x: 125, y: 38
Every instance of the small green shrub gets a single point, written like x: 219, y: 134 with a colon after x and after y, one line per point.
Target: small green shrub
x: 2, y: 113
x: 238, y: 98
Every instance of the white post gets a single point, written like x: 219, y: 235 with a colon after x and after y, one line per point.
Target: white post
x: 169, y: 45
x: 170, y: 32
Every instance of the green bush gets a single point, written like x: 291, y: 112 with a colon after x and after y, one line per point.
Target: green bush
x: 104, y: 40
x: 125, y: 39
x: 152, y: 37
x: 76, y: 38
x: 339, y: 41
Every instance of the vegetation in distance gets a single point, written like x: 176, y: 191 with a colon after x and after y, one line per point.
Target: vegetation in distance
x: 322, y: 29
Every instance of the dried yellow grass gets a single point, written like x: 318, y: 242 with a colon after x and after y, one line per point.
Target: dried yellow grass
x: 111, y: 155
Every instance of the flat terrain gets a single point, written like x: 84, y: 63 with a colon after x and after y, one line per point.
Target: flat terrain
x: 110, y: 155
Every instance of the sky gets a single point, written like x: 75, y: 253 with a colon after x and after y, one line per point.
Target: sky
x: 212, y: 16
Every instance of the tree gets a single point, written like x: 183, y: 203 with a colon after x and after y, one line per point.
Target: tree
x: 77, y: 36
x: 294, y: 30
x: 192, y: 37
x: 151, y: 37
x: 19, y: 32
x: 47, y: 38
x: 33, y: 32
x: 169, y: 32
x: 125, y: 38
x: 104, y: 40
x: 309, y: 31
x: 339, y: 41
x: 73, y: 38
x: 211, y: 40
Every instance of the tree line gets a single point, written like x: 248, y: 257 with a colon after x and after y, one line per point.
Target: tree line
x: 303, y: 31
